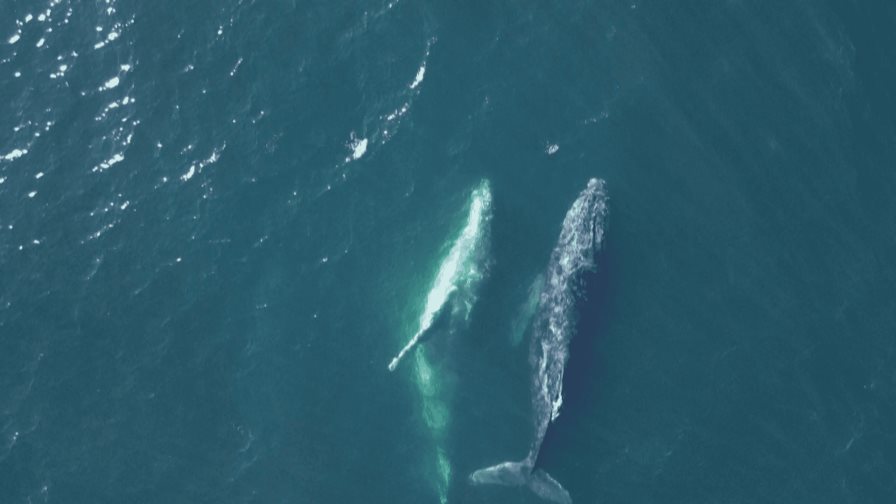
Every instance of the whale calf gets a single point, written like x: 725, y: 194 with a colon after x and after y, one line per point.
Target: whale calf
x: 580, y: 239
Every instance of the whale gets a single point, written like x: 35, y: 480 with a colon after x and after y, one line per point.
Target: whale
x: 451, y: 297
x: 461, y: 270
x: 581, y: 237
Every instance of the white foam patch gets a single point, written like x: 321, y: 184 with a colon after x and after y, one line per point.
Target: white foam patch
x: 358, y: 147
x: 421, y: 72
x: 15, y: 38
x: 198, y: 166
x: 111, y: 83
x: 110, y: 37
x: 398, y: 113
x: 552, y: 149
x: 105, y: 165
x: 236, y: 67
x: 40, y: 42
x: 61, y: 71
x: 32, y: 194
x: 14, y: 154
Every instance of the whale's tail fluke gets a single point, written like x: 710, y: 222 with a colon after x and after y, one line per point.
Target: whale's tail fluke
x: 522, y: 474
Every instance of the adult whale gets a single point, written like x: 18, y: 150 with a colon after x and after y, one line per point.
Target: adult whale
x: 580, y: 239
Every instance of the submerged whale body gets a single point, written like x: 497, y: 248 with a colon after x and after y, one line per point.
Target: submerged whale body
x: 574, y: 254
x: 451, y: 297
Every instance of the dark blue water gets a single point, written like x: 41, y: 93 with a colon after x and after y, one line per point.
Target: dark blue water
x: 219, y: 221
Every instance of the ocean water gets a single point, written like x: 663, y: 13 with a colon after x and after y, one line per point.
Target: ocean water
x: 220, y: 221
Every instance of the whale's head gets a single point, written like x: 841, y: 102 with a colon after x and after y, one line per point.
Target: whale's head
x: 583, y: 228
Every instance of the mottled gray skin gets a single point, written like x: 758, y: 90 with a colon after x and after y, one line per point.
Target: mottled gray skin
x: 574, y: 254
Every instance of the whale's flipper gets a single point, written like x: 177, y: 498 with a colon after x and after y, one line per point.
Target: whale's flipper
x: 520, y: 474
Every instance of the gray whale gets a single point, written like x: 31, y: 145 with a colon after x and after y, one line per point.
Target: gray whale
x: 580, y: 239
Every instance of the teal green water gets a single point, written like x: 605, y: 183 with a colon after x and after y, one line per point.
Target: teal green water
x: 220, y: 221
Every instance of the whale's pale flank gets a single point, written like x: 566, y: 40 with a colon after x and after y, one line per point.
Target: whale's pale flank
x: 451, y: 297
x: 555, y: 323
x: 462, y: 268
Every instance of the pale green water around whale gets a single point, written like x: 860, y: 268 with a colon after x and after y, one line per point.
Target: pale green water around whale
x: 220, y: 221
x: 452, y: 296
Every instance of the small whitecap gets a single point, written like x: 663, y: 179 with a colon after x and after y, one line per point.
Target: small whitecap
x: 111, y: 83
x: 117, y: 158
x: 17, y: 74
x: 32, y: 194
x: 36, y: 242
x: 421, y: 72
x: 39, y: 175
x: 15, y: 38
x: 125, y: 68
x: 187, y: 176
x: 236, y: 67
x: 178, y: 259
x: 40, y: 42
x: 552, y: 149
x: 63, y: 68
x: 28, y: 18
x: 42, y: 17
x: 359, y: 147
x: 2, y: 180
x: 14, y: 154
x: 124, y: 205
